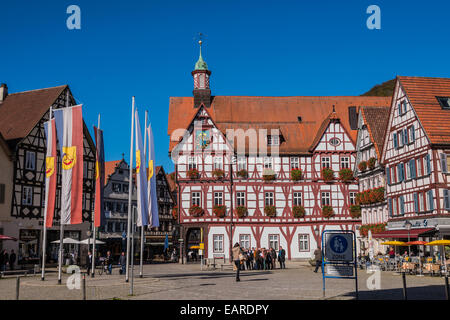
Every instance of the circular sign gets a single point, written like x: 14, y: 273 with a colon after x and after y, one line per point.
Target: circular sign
x: 338, y: 244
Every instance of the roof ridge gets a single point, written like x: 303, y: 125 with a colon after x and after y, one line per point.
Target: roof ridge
x: 27, y: 91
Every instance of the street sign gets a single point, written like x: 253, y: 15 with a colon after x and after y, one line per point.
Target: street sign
x: 339, y: 247
x: 339, y: 256
x: 339, y: 270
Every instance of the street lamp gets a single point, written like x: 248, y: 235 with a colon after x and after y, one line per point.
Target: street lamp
x: 408, y: 227
x: 317, y: 232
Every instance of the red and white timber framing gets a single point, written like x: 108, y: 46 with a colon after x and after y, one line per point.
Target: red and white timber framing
x: 415, y: 180
x: 284, y: 229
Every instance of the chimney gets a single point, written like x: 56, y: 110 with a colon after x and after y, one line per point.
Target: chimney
x: 3, y: 92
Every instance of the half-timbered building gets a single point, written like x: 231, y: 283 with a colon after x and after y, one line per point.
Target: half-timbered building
x: 417, y: 159
x: 23, y: 115
x: 371, y: 203
x: 116, y: 211
x: 233, y: 191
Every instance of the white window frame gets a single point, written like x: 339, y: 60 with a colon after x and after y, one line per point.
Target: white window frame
x: 352, y: 196
x: 345, y: 160
x: 242, y: 163
x: 240, y: 198
x: 268, y: 163
x: 244, y: 241
x: 196, y: 196
x: 274, y: 239
x: 303, y: 242
x: 273, y: 140
x: 218, y: 198
x: 218, y: 243
x: 325, y: 198
x: 295, y: 162
x: 325, y: 162
x: 297, y: 198
x: 192, y: 162
x: 268, y: 195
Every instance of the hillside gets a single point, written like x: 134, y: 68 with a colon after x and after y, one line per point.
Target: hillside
x: 385, y: 89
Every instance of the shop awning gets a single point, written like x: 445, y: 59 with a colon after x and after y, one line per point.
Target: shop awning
x: 402, y: 233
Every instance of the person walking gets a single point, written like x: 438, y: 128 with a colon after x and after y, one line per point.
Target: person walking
x: 250, y: 259
x: 89, y: 262
x: 123, y: 263
x: 12, y: 260
x: 237, y: 251
x: 318, y: 258
x: 109, y: 261
x: 282, y: 258
x: 256, y: 258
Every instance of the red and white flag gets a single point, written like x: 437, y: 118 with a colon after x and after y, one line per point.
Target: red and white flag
x: 50, y: 172
x: 69, y: 128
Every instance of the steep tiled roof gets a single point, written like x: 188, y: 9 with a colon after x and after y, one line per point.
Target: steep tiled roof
x: 110, y: 167
x: 242, y: 112
x: 21, y: 111
x: 376, y: 119
x: 422, y: 93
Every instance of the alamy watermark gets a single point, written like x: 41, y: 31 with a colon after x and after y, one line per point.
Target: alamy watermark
x: 74, y: 20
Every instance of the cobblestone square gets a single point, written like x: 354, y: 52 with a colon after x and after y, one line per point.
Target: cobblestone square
x: 176, y: 282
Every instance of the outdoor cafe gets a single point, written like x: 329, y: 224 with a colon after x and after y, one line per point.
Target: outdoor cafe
x: 410, y: 253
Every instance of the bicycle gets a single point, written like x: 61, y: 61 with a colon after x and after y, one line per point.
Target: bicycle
x: 103, y: 268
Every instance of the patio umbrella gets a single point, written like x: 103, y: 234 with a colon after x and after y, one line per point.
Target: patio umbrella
x: 394, y: 243
x: 439, y: 243
x: 3, y: 237
x: 68, y: 240
x: 90, y: 241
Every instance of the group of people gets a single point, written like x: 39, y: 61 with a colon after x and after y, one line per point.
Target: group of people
x: 108, y: 262
x: 257, y: 259
x: 7, y: 260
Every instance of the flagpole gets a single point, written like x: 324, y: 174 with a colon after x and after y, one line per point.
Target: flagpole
x: 132, y: 253
x: 93, y: 223
x: 141, y: 266
x: 61, y: 226
x: 130, y: 191
x: 44, y: 237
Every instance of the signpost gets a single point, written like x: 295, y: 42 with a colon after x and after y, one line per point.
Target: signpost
x: 339, y: 256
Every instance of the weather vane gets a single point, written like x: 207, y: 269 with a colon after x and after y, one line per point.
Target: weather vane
x: 200, y: 37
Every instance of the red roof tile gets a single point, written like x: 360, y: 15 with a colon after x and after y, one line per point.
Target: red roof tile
x: 376, y: 119
x: 422, y: 92
x: 242, y: 112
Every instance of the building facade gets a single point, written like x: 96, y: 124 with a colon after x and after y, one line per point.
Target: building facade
x: 116, y: 211
x: 372, y: 205
x: 416, y: 157
x: 22, y: 126
x: 250, y: 169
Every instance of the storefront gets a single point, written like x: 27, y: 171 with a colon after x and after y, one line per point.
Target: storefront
x: 29, y: 246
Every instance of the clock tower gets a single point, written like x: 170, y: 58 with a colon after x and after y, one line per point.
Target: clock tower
x: 202, y: 92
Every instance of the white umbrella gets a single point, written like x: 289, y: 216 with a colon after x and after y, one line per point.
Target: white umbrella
x: 68, y: 240
x: 91, y: 241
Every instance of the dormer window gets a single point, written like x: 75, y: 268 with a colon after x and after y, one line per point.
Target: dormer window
x: 273, y: 140
x: 444, y: 102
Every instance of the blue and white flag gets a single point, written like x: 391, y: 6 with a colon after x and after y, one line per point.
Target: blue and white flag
x: 141, y: 178
x: 152, y: 201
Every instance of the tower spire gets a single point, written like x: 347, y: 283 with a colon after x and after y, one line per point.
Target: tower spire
x: 202, y: 92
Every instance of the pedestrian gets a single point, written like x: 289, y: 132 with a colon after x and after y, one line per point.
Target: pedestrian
x: 109, y: 261
x: 5, y: 260
x: 269, y: 264
x: 318, y: 258
x: 249, y: 260
x: 89, y: 262
x: 256, y: 258
x: 123, y: 263
x: 274, y: 257
x: 237, y: 251
x: 282, y: 258
x: 12, y: 260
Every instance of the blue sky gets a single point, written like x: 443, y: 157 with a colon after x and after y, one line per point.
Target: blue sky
x: 254, y: 48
